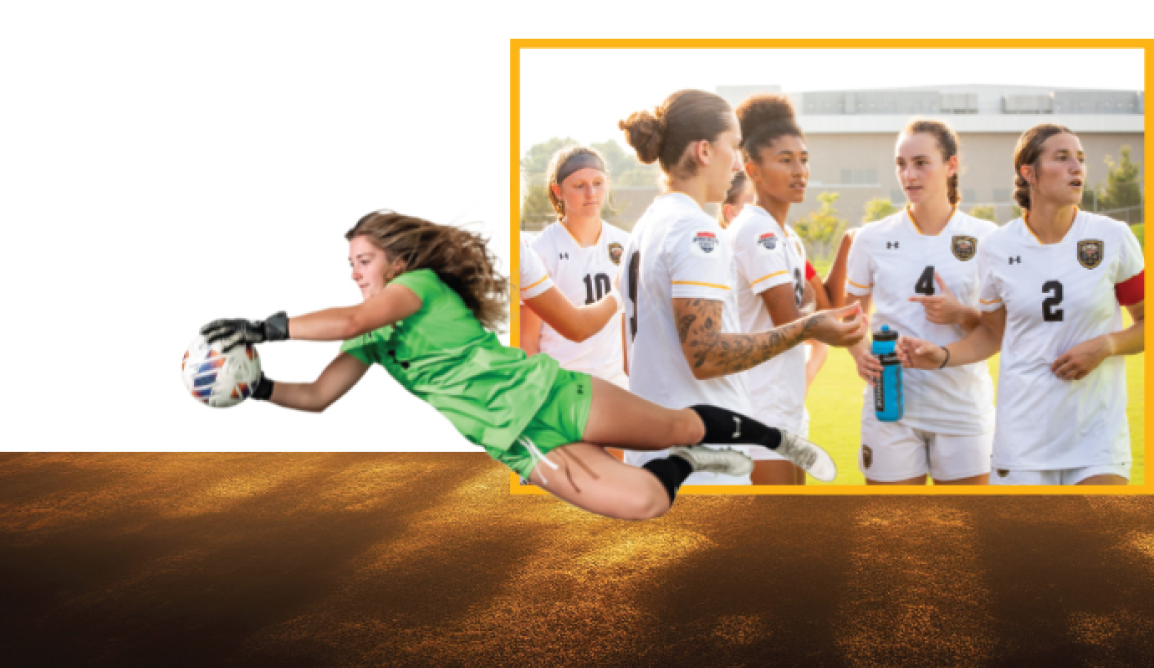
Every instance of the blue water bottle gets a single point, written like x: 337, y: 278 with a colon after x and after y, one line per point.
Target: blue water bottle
x: 888, y: 390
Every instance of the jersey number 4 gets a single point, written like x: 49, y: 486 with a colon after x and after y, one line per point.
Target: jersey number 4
x: 925, y: 284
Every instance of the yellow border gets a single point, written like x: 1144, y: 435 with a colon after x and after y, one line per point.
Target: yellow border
x: 517, y: 45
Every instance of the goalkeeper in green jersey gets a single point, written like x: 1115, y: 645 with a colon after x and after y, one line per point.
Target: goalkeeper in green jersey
x: 430, y: 296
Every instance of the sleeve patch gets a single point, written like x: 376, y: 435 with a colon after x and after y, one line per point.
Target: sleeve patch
x: 766, y: 243
x: 1132, y: 290
x: 705, y: 244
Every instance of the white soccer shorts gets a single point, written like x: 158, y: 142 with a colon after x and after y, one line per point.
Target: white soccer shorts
x: 1057, y: 477
x: 892, y: 451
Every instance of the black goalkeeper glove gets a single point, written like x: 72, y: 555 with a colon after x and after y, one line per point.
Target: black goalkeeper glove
x: 235, y: 332
x: 263, y: 389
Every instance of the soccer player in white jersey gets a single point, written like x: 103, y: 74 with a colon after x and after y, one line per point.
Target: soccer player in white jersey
x: 771, y: 270
x: 681, y: 318
x: 582, y: 254
x: 828, y: 294
x: 919, y: 270
x: 548, y: 304
x: 1053, y: 284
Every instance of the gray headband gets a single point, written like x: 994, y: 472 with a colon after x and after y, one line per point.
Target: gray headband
x: 577, y: 163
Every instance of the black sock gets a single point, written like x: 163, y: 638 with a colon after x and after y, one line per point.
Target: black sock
x: 723, y: 426
x: 671, y: 471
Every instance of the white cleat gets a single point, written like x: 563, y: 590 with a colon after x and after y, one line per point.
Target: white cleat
x: 709, y: 460
x: 811, y: 458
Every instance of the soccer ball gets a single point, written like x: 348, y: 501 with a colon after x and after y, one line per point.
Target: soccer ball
x: 220, y: 379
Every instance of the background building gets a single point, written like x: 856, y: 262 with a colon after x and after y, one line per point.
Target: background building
x: 851, y: 136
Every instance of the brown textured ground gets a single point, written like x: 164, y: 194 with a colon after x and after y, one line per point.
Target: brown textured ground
x: 406, y: 559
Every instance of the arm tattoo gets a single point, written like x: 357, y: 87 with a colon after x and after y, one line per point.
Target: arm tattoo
x: 683, y: 324
x: 712, y: 353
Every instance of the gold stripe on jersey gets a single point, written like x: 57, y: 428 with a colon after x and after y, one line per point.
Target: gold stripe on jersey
x: 996, y: 301
x: 536, y: 284
x: 1026, y: 221
x: 596, y: 241
x: 707, y: 285
x: 910, y: 213
x: 776, y: 273
x: 863, y: 287
x: 1027, y: 224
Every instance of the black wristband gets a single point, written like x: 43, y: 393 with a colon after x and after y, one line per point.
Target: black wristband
x: 947, y: 360
x: 263, y: 389
x: 276, y: 327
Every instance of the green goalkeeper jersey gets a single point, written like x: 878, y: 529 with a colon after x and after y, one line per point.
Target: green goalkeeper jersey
x: 444, y: 356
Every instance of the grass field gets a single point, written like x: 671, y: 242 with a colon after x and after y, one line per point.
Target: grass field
x: 835, y: 400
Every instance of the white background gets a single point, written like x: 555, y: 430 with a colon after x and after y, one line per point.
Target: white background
x: 165, y: 164
x: 642, y: 78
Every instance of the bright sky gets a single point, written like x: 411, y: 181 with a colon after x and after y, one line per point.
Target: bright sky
x: 608, y: 84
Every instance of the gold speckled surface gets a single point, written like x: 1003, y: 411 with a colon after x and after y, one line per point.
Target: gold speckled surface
x: 408, y: 559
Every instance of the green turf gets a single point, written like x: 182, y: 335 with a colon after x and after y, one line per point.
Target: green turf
x: 835, y: 402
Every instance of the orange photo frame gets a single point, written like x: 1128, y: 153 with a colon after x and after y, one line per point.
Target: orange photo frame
x: 515, y: 51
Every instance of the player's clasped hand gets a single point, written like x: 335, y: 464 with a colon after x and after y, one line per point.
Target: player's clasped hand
x: 943, y: 308
x: 916, y: 353
x: 1077, y: 362
x: 840, y: 327
x: 233, y: 332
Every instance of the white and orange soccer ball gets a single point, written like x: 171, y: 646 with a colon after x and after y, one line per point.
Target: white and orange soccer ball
x: 220, y: 379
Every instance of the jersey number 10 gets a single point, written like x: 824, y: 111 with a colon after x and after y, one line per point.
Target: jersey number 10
x: 602, y: 284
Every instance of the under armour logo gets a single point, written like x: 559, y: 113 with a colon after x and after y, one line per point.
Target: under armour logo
x: 737, y: 427
x: 891, y: 244
x: 1017, y: 259
x: 563, y: 256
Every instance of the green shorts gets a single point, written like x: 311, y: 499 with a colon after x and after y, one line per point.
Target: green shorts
x: 560, y: 421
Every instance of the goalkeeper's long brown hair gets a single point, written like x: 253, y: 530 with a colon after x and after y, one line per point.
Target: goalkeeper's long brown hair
x: 459, y: 257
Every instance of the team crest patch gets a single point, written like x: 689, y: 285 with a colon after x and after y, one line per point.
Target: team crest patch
x: 768, y: 241
x: 867, y: 456
x: 706, y: 242
x: 964, y: 247
x: 615, y: 251
x: 1090, y: 253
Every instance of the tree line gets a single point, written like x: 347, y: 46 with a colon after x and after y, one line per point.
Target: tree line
x: 819, y: 229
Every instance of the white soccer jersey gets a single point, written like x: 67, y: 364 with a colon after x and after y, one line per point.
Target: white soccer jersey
x: 535, y: 279
x: 677, y: 251
x: 584, y: 275
x: 1057, y: 296
x: 769, y: 255
x: 892, y: 261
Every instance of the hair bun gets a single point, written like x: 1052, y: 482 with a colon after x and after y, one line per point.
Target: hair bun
x: 645, y: 133
x: 764, y: 109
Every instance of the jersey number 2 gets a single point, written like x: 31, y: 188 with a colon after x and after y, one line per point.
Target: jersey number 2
x: 1049, y: 313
